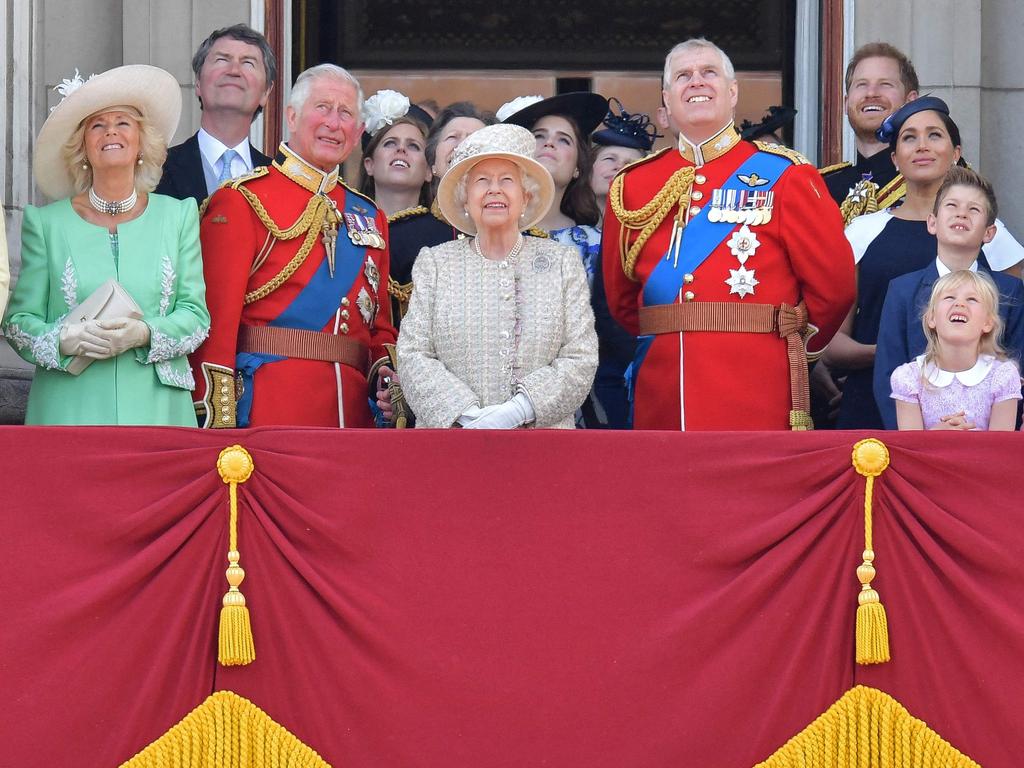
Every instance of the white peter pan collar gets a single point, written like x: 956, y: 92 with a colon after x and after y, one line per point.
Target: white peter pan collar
x: 969, y: 378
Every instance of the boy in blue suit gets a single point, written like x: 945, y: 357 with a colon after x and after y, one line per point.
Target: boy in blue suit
x: 962, y: 220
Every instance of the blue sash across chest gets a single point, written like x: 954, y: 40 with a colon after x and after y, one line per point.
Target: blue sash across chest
x: 700, y: 237
x: 312, y: 309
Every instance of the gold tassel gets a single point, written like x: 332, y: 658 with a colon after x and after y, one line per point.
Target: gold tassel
x: 870, y: 458
x: 235, y: 644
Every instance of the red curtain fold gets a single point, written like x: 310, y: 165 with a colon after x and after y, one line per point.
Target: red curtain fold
x: 533, y: 598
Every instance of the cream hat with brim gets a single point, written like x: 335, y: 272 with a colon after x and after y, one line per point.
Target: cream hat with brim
x: 151, y: 91
x: 504, y: 141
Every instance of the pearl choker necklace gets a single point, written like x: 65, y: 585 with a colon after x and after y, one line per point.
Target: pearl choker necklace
x: 511, y: 254
x: 113, y: 207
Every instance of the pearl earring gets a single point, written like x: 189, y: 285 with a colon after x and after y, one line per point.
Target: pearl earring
x: 140, y: 159
x: 85, y: 166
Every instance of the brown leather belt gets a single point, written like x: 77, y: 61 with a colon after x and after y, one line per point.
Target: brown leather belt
x: 308, y: 345
x: 724, y: 317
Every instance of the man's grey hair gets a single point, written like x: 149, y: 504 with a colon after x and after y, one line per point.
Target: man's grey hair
x: 696, y: 43
x: 304, y: 82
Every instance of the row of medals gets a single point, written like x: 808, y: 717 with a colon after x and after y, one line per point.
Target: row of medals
x: 749, y: 208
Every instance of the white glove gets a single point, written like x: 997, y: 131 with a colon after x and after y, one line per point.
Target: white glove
x: 511, y: 414
x: 123, y: 333
x: 84, y: 340
x: 468, y: 419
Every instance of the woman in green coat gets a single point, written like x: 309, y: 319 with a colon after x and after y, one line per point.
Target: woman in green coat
x: 99, y: 154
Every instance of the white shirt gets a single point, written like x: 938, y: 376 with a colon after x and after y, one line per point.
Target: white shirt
x: 943, y: 270
x: 212, y: 150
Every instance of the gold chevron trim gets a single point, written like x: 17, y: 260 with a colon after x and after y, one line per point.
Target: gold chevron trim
x: 227, y: 731
x: 867, y: 728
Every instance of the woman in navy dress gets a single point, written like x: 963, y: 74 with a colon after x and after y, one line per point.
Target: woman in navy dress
x: 925, y: 143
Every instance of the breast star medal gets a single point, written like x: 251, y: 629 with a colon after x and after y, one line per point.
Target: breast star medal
x: 741, y: 281
x: 743, y: 244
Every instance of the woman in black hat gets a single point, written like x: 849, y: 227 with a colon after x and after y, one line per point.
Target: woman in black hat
x: 925, y: 144
x: 622, y: 139
x: 562, y: 126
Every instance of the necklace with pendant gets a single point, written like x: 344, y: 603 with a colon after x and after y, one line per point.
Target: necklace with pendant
x: 113, y: 207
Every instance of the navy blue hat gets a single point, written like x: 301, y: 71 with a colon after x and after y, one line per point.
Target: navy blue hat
x: 625, y: 130
x: 586, y: 108
x: 890, y: 127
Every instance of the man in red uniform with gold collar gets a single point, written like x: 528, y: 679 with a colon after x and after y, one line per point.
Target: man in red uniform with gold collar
x: 720, y: 255
x: 296, y: 268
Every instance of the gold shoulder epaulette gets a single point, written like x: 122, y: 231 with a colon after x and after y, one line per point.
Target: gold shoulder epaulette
x: 777, y: 149
x: 417, y: 211
x: 370, y: 200
x: 892, y: 192
x: 642, y: 160
x: 537, y: 232
x: 256, y: 173
x: 833, y: 168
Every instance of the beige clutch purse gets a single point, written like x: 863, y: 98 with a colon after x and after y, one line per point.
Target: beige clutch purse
x: 107, y: 301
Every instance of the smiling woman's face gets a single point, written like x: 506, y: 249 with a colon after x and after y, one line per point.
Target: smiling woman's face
x: 111, y: 140
x: 494, y: 195
x: 399, y: 161
x: 924, y: 149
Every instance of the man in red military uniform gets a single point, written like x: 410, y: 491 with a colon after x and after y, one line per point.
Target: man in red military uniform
x: 296, y: 268
x: 718, y: 254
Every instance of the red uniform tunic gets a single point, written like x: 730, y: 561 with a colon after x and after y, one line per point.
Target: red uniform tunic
x: 240, y: 255
x: 723, y: 380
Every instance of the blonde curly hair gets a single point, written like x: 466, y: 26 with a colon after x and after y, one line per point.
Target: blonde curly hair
x: 151, y: 146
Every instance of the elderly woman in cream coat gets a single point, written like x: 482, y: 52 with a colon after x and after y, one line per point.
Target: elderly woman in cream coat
x: 499, y: 334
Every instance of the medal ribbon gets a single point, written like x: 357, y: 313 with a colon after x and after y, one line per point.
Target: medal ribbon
x: 700, y: 237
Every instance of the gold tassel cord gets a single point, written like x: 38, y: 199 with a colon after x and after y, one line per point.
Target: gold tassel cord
x: 235, y: 645
x: 647, y: 219
x: 870, y: 459
x: 227, y: 731
x: 867, y: 728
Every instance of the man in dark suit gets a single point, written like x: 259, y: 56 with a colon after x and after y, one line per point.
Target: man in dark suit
x: 234, y: 70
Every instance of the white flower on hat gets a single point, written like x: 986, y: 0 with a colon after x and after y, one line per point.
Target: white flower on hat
x: 509, y: 108
x: 67, y: 86
x: 383, y: 108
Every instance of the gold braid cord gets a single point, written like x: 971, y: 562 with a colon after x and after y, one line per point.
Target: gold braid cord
x: 229, y: 732
x: 675, y: 192
x: 310, y: 223
x: 867, y: 728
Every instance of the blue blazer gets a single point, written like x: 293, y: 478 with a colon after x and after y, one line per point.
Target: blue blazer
x: 901, y: 337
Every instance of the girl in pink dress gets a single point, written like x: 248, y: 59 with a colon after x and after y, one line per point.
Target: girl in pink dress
x: 963, y: 380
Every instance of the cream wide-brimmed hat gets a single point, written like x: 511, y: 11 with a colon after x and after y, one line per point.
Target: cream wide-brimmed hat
x: 504, y: 141
x: 151, y: 91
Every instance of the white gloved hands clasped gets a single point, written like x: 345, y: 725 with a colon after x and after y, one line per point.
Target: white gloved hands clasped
x: 85, y: 339
x: 511, y: 414
x: 123, y: 333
